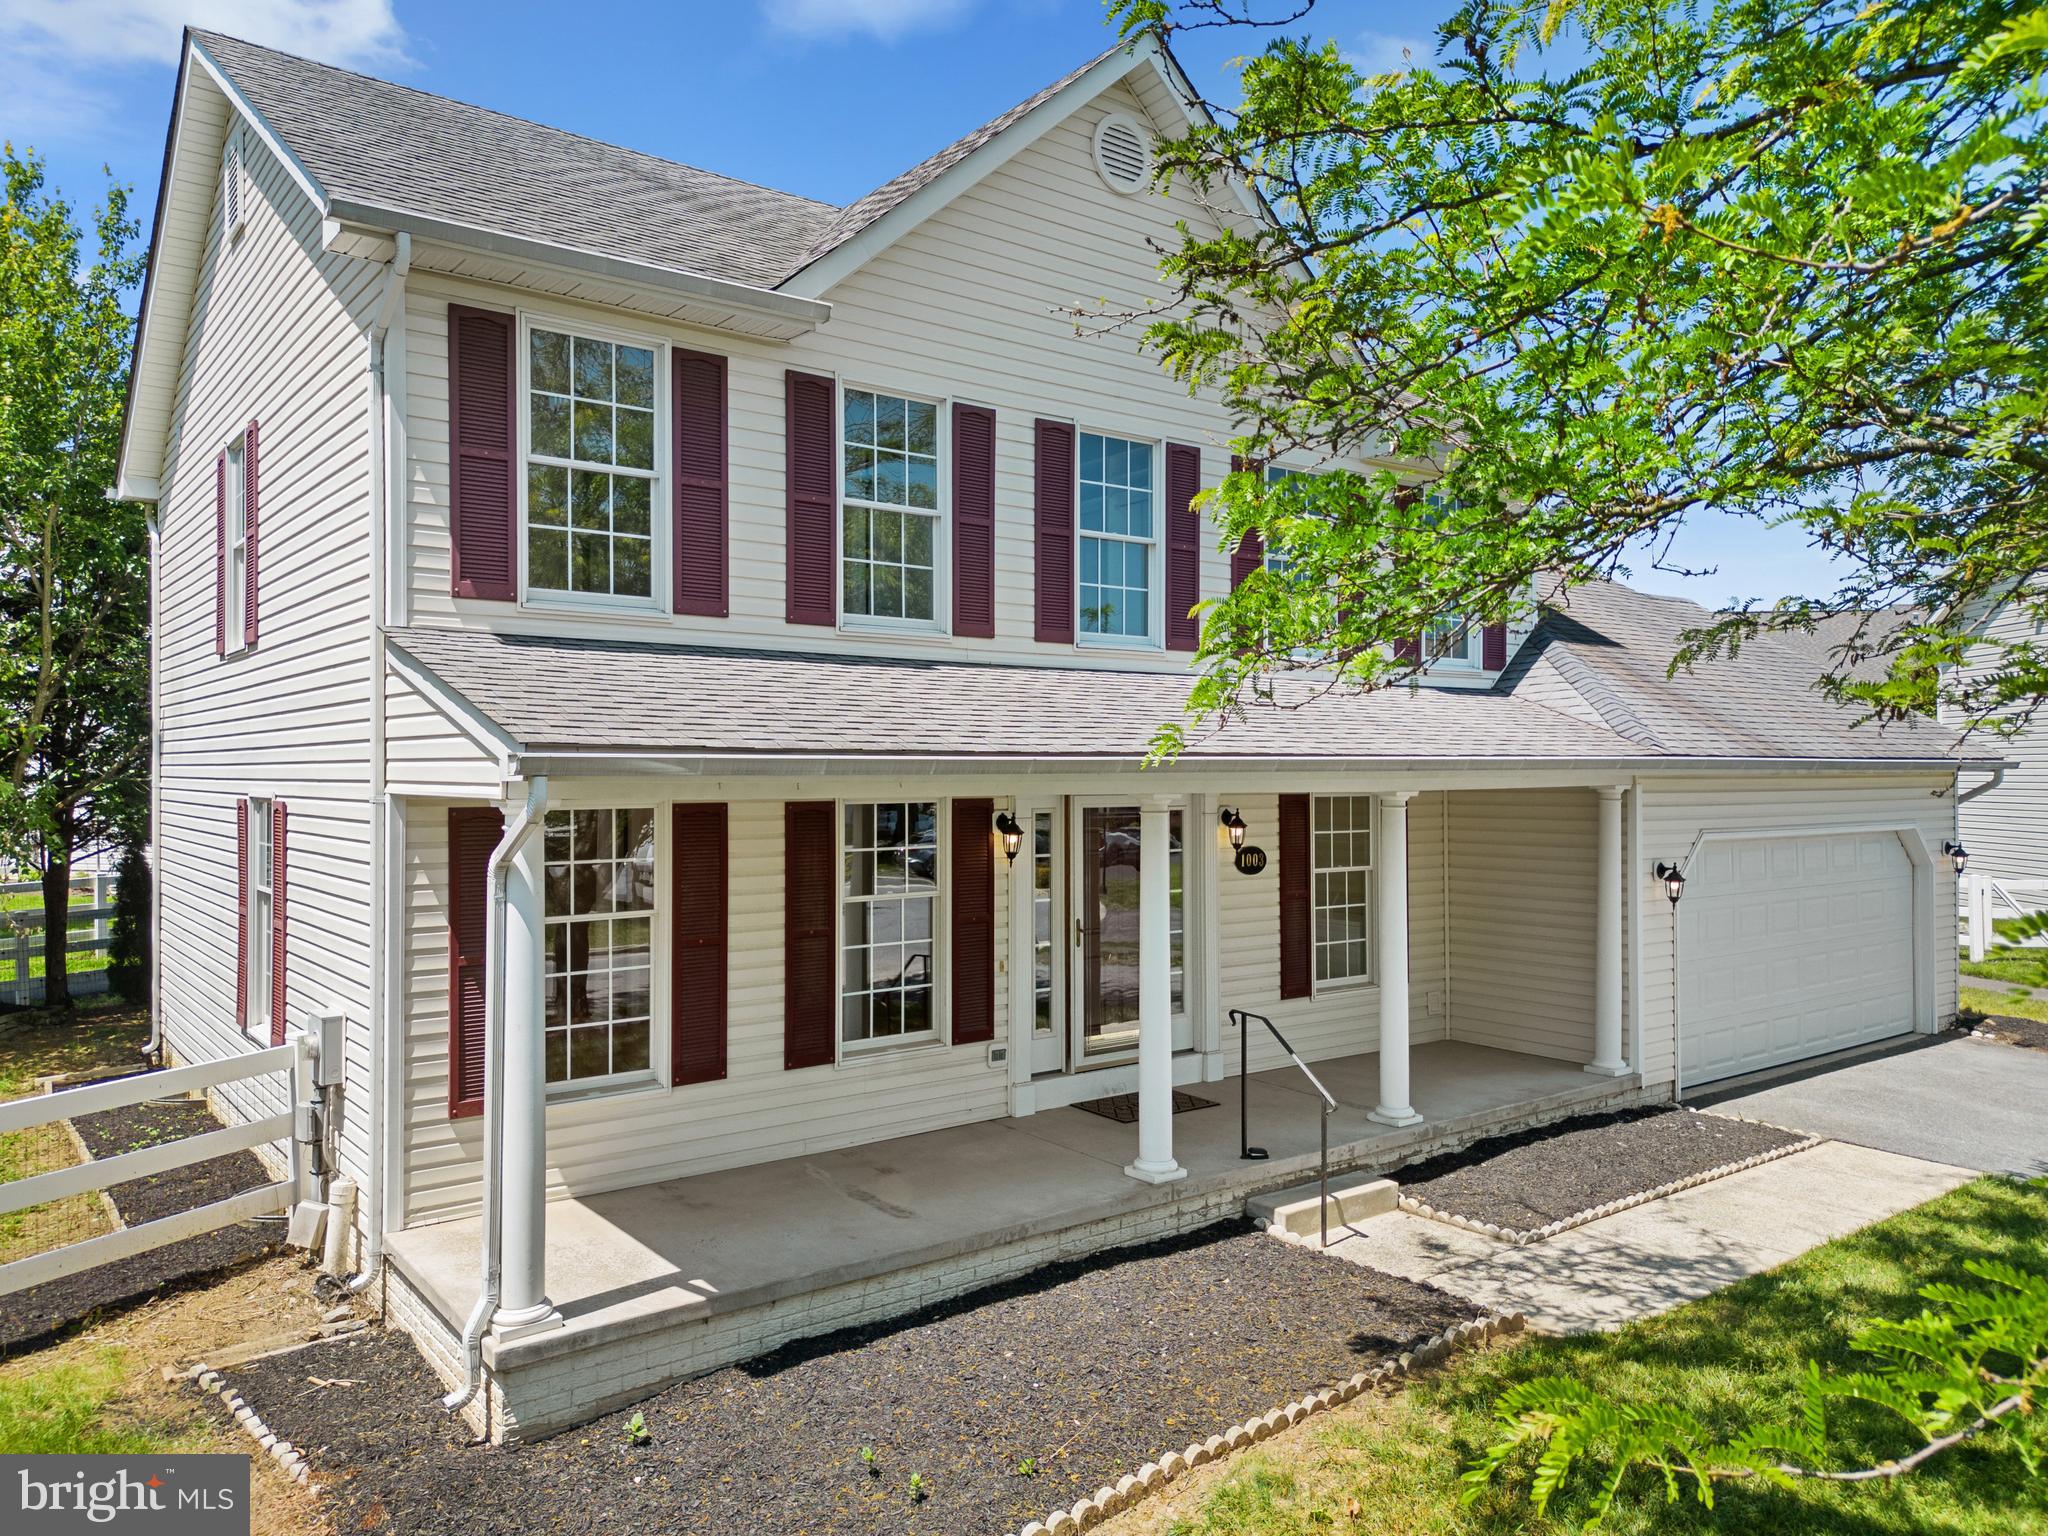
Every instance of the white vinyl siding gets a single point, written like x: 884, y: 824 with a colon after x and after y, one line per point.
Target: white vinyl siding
x: 2006, y: 829
x: 758, y: 1113
x: 275, y: 333
x: 971, y: 305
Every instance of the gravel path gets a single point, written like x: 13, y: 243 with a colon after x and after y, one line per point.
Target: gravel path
x: 1006, y: 1403
x: 34, y: 1314
x: 1532, y: 1178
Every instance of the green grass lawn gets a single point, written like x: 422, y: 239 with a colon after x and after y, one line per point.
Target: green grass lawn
x: 1388, y: 1465
x: 63, y: 1409
x: 2019, y: 1005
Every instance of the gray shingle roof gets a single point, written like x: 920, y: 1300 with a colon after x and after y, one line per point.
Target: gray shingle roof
x: 590, y: 695
x: 393, y: 146
x: 1614, y: 646
x: 397, y: 147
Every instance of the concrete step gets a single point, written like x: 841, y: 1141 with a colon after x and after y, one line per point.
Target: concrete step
x: 1353, y: 1198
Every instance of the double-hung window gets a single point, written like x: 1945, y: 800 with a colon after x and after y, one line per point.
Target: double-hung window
x: 236, y: 626
x: 888, y: 903
x: 591, y: 420
x: 1119, y: 535
x: 1451, y: 642
x: 889, y: 509
x: 598, y: 972
x: 1276, y: 558
x: 1342, y: 866
x: 262, y: 894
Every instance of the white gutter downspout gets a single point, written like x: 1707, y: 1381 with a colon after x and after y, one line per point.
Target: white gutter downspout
x: 1997, y: 778
x: 386, y: 1081
x: 523, y: 826
x: 153, y: 1050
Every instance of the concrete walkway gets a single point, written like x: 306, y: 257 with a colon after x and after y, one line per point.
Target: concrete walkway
x: 1647, y: 1260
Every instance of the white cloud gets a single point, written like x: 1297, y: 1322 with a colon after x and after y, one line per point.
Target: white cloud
x: 883, y: 19
x: 1382, y: 53
x: 79, y: 35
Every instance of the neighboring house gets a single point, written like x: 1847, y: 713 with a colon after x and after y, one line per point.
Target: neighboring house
x: 2006, y: 827
x: 676, y: 600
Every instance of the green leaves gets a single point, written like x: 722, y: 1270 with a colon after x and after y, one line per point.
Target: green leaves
x: 1974, y: 1363
x: 1781, y: 265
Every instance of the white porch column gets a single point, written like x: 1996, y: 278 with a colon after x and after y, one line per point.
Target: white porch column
x: 1607, y: 940
x: 1155, y: 1164
x: 1390, y: 860
x: 523, y: 1305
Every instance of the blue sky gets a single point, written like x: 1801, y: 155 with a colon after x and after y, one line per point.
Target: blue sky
x: 824, y: 97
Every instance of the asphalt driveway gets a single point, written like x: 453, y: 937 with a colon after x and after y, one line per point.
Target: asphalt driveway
x: 1948, y: 1099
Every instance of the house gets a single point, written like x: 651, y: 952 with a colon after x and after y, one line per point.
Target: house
x: 669, y: 663
x: 2005, y: 827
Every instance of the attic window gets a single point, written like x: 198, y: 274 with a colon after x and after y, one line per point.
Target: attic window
x: 1123, y: 152
x: 231, y: 189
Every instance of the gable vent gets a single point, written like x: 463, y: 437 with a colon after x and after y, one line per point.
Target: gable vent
x: 231, y: 189
x: 1123, y: 152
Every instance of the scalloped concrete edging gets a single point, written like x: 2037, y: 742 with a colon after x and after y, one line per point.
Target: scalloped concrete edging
x: 1518, y: 1238
x: 1112, y: 1499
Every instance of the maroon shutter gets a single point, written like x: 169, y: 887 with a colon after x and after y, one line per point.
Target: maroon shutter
x: 473, y: 831
x: 483, y: 421
x: 808, y: 477
x: 1297, y: 912
x: 1408, y: 650
x: 1183, y: 546
x: 1493, y: 647
x: 1249, y: 556
x: 242, y: 914
x: 220, y: 555
x: 974, y: 521
x: 1053, y: 553
x: 974, y: 922
x: 279, y: 901
x: 249, y: 501
x: 702, y: 495
x: 809, y: 896
x: 697, y: 989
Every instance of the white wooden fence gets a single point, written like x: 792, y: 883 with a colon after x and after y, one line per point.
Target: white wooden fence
x: 1981, y: 901
x: 292, y: 1060
x: 22, y: 939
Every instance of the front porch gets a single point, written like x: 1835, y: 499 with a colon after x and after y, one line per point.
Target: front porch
x: 670, y: 1279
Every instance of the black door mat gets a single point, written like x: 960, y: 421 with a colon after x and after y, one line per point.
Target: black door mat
x: 1123, y: 1107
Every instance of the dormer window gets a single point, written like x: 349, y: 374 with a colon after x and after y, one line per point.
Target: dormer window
x: 1452, y: 643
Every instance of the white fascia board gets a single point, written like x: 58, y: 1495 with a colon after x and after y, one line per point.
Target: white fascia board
x: 788, y: 308
x: 315, y: 193
x: 456, y: 709
x: 851, y: 255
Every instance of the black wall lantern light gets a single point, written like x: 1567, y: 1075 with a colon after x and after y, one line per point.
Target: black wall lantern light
x: 1013, y: 835
x: 1960, y: 854
x: 1232, y: 823
x: 1674, y: 881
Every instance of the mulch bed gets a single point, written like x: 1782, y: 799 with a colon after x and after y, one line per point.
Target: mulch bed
x: 2010, y: 1030
x: 1532, y: 1178
x: 1082, y: 1371
x: 32, y: 1315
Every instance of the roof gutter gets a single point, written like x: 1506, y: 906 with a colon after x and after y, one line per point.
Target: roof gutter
x: 786, y: 309
x: 565, y: 762
x: 1997, y: 778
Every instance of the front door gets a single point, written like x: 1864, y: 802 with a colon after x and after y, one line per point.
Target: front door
x: 1105, y: 935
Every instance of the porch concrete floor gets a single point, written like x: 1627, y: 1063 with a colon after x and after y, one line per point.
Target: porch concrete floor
x: 631, y: 1260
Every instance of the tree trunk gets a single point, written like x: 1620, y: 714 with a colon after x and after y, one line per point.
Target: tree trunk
x: 57, y: 925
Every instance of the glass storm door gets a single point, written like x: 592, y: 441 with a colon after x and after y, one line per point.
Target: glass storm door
x: 1106, y: 934
x: 1047, y: 850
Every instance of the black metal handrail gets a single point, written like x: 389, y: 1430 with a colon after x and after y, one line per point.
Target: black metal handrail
x: 1249, y: 1153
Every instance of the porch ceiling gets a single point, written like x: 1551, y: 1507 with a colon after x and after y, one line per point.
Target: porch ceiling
x: 549, y: 695
x: 633, y: 1260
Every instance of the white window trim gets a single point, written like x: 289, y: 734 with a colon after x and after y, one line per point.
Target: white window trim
x: 660, y: 514
x: 1154, y: 639
x: 940, y: 1036
x: 657, y: 1075
x: 1371, y: 979
x: 236, y: 583
x: 940, y: 624
x: 262, y: 896
x: 1472, y: 640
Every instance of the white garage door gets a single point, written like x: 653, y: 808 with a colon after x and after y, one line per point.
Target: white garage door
x: 1792, y: 947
